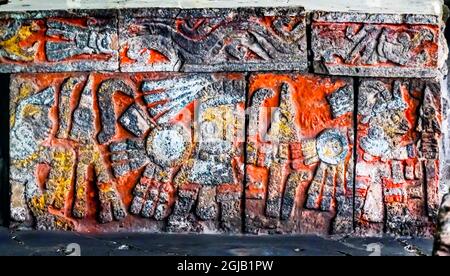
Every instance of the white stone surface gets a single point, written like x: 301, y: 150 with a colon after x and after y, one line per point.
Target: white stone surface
x: 429, y: 7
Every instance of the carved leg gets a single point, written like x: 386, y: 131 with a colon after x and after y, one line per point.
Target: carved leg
x: 80, y: 208
x: 165, y: 201
x: 186, y: 198
x: 18, y: 205
x: 111, y: 207
x: 230, y: 208
x: 60, y: 178
x: 315, y: 189
x: 207, y: 207
x: 273, y: 205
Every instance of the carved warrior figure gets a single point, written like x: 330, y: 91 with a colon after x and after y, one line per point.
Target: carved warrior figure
x: 185, y: 168
x: 65, y: 156
x: 279, y: 147
x: 89, y: 155
x: 276, y: 137
x: 30, y: 129
x: 397, y: 160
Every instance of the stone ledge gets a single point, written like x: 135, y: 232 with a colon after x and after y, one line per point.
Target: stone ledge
x: 369, y: 40
x: 245, y: 39
x: 210, y: 40
x: 430, y: 7
x: 377, y: 49
x: 60, y: 41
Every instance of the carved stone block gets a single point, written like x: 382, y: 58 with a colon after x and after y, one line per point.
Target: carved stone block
x: 299, y: 154
x: 204, y: 40
x: 59, y: 41
x: 398, y: 142
x: 152, y: 152
x: 377, y: 45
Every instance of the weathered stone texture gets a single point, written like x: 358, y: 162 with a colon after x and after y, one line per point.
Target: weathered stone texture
x: 200, y: 40
x: 59, y: 42
x: 442, y: 241
x: 398, y: 142
x: 299, y: 154
x: 181, y: 117
x: 358, y: 45
x: 157, y: 152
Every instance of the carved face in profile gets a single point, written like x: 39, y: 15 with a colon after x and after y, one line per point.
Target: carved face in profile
x: 32, y: 125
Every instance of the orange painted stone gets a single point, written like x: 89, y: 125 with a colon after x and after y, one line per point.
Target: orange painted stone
x: 205, y: 117
x: 142, y: 152
x: 213, y: 40
x: 398, y: 153
x: 58, y: 41
x: 377, y: 46
x: 299, y: 154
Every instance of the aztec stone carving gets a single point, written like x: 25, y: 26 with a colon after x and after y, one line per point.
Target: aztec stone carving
x: 399, y: 128
x: 190, y: 149
x: 213, y: 40
x: 54, y: 155
x: 173, y: 144
x: 380, y: 50
x: 299, y: 154
x: 29, y: 44
x: 234, y: 119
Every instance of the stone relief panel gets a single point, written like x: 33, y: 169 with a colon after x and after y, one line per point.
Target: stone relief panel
x: 66, y: 42
x: 379, y: 50
x: 398, y: 142
x: 206, y: 40
x: 110, y: 152
x: 165, y: 152
x: 299, y: 154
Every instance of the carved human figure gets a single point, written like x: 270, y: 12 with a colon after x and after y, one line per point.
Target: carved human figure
x: 273, y: 145
x: 46, y: 165
x: 89, y: 156
x: 281, y: 135
x: 186, y: 164
x: 383, y: 110
x: 399, y: 126
x: 281, y: 159
x: 215, y: 165
x: 30, y: 156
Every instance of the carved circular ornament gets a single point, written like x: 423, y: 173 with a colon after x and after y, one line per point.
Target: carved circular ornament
x: 332, y: 147
x: 169, y: 146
